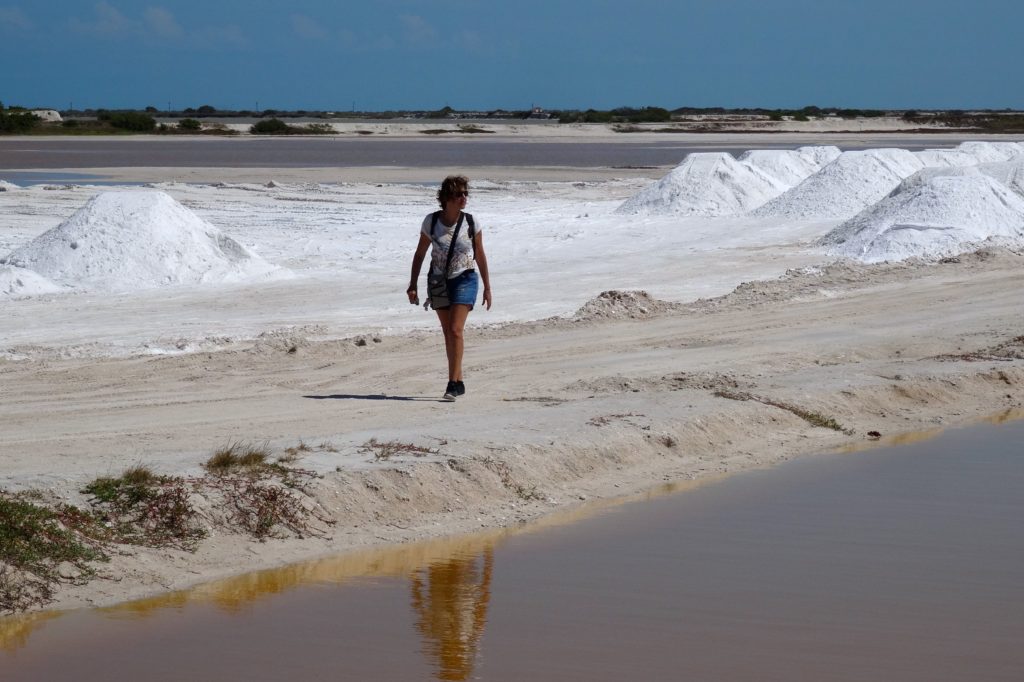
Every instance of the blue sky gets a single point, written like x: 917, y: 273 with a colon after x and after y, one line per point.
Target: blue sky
x: 487, y: 54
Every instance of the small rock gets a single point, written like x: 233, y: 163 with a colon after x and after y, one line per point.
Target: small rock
x: 68, y: 570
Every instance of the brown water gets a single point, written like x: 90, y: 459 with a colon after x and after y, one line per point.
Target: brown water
x: 894, y: 564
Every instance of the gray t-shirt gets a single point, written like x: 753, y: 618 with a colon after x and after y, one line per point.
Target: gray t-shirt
x: 462, y: 258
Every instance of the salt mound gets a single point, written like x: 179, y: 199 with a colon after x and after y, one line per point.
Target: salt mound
x: 926, y: 175
x: 988, y: 152
x: 843, y: 188
x: 946, y: 158
x: 1009, y: 173
x: 705, y: 184
x: 622, y: 305
x: 16, y: 282
x: 940, y: 215
x: 123, y: 241
x: 790, y: 167
x: 7, y: 186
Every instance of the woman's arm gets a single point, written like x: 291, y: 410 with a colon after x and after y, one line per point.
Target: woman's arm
x: 417, y: 262
x: 481, y: 263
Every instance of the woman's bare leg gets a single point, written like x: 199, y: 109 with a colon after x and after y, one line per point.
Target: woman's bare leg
x: 456, y: 328
x: 444, y: 317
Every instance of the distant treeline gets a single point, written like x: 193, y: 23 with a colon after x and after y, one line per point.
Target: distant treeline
x: 16, y: 120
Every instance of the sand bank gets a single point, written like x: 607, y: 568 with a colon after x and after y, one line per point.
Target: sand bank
x: 627, y: 395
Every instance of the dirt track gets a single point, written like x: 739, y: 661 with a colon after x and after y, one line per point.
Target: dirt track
x: 622, y: 398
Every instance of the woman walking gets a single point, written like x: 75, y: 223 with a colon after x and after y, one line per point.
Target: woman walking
x: 452, y: 277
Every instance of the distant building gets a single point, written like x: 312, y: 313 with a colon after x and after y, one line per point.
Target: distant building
x: 538, y: 112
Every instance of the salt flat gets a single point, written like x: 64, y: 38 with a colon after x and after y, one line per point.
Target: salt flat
x: 747, y: 321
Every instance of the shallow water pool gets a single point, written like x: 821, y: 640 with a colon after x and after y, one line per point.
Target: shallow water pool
x: 901, y: 563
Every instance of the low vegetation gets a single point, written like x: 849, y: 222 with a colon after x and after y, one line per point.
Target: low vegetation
x: 16, y: 120
x: 197, y: 121
x: 44, y: 544
x: 42, y: 547
x: 385, y: 450
x: 811, y: 417
x: 142, y: 508
x: 620, y: 115
x: 275, y: 126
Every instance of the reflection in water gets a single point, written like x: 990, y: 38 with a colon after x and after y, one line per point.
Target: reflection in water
x: 450, y: 601
x: 238, y: 594
x: 868, y: 565
x: 451, y: 577
x: 15, y: 630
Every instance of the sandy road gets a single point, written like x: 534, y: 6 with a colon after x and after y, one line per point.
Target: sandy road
x: 528, y: 383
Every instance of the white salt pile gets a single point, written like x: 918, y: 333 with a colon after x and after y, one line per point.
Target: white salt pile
x: 121, y: 241
x: 704, y: 184
x: 790, y: 167
x: 990, y: 152
x: 18, y: 282
x: 1009, y: 173
x: 7, y: 186
x: 843, y: 188
x: 945, y: 158
x: 932, y: 216
x: 716, y: 184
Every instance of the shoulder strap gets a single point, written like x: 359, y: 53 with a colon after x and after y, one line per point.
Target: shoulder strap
x: 433, y: 223
x: 451, y: 246
x: 471, y: 232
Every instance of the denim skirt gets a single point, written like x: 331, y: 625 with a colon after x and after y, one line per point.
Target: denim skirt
x: 462, y: 288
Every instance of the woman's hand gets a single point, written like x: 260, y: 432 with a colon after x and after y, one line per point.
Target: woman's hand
x: 414, y: 297
x: 487, y: 298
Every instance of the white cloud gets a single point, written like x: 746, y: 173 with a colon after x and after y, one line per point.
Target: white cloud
x: 230, y: 35
x: 163, y: 23
x: 107, y: 21
x: 157, y: 23
x: 12, y: 18
x: 355, y: 42
x: 417, y: 31
x: 304, y: 27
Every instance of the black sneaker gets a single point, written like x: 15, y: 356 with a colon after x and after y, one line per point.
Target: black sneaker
x: 460, y: 388
x: 451, y: 392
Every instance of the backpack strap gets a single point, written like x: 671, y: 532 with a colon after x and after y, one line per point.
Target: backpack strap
x: 433, y: 223
x: 451, y: 247
x: 472, y: 232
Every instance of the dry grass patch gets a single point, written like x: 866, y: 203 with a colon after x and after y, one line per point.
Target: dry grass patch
x: 385, y: 450
x: 812, y: 418
x: 237, y: 456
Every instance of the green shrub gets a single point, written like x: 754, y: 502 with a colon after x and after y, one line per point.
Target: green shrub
x: 17, y: 121
x: 131, y: 120
x: 270, y: 126
x: 189, y: 124
x: 34, y: 543
x: 142, y: 508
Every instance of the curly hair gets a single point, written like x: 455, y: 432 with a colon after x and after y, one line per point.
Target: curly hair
x: 451, y: 185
